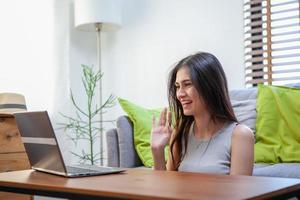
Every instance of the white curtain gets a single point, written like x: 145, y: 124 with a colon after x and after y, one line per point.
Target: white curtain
x: 27, y: 51
x: 41, y: 55
x: 35, y: 53
x: 62, y: 24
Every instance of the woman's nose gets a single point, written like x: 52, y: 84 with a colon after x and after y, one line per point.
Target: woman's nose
x: 180, y: 93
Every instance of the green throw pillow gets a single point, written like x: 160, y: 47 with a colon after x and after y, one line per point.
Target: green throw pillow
x: 142, y: 125
x: 277, y: 124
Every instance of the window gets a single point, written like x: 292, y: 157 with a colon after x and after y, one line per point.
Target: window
x: 272, y: 42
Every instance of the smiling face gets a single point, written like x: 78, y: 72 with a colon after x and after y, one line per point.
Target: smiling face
x: 187, y: 94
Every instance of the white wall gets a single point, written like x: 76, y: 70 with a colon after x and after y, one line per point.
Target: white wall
x: 34, y: 58
x: 26, y: 62
x: 156, y: 33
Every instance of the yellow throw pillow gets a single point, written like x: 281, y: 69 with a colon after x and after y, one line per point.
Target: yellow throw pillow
x: 142, y: 124
x: 277, y: 124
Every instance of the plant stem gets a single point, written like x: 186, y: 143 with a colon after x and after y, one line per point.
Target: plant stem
x: 90, y: 128
x: 86, y: 128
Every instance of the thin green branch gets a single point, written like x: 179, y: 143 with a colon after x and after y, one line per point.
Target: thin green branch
x: 83, y: 126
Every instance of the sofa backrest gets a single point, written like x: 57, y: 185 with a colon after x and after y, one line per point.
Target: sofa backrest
x: 244, y: 105
x: 128, y: 156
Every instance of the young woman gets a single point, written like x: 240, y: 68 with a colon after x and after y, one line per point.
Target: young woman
x: 206, y: 136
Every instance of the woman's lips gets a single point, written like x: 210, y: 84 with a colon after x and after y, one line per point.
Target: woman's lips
x: 185, y: 103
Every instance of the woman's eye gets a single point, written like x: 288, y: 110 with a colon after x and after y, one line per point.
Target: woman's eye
x: 187, y: 84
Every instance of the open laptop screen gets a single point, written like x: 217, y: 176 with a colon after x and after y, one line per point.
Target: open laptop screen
x: 43, y: 150
x: 39, y: 141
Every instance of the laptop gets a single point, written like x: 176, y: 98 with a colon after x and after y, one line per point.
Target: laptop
x: 43, y: 151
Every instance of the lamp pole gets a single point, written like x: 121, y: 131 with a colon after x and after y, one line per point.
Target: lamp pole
x: 98, y: 29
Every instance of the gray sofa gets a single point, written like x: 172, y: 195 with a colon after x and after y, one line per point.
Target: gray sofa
x: 121, y: 151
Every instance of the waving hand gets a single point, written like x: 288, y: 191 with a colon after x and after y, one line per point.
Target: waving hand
x: 161, y: 130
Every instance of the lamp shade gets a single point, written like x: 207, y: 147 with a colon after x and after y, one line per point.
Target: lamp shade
x: 90, y: 12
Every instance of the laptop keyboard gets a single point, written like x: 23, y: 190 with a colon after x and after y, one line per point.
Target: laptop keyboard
x: 77, y: 170
x: 91, y: 170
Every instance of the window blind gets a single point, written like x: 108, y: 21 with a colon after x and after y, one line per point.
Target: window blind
x: 272, y: 42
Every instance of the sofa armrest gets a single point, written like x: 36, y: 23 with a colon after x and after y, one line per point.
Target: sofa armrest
x: 112, y: 146
x: 127, y: 152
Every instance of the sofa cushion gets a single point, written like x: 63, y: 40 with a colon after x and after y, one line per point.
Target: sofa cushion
x: 112, y: 148
x: 243, y: 94
x: 287, y: 170
x: 278, y: 127
x: 127, y: 156
x: 245, y: 112
x: 244, y: 105
x: 142, y: 124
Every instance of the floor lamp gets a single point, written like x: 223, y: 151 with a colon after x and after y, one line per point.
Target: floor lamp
x: 97, y: 16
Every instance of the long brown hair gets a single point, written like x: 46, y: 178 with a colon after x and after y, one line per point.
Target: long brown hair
x: 208, y: 77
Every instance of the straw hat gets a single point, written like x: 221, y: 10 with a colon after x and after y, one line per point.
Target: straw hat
x: 11, y: 103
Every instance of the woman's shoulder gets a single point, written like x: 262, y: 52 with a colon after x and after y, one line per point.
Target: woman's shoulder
x: 242, y: 132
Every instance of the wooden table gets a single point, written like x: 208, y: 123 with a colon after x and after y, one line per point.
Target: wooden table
x: 149, y: 184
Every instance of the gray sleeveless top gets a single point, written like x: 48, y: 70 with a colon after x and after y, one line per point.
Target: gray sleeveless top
x: 209, y: 156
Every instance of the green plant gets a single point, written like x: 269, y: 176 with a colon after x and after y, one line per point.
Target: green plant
x: 86, y: 124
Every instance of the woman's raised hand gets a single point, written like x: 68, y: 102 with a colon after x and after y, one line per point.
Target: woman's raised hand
x: 161, y: 130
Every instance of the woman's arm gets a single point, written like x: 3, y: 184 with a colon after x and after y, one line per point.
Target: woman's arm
x: 242, y: 151
x: 160, y: 136
x: 159, y: 159
x: 172, y: 160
